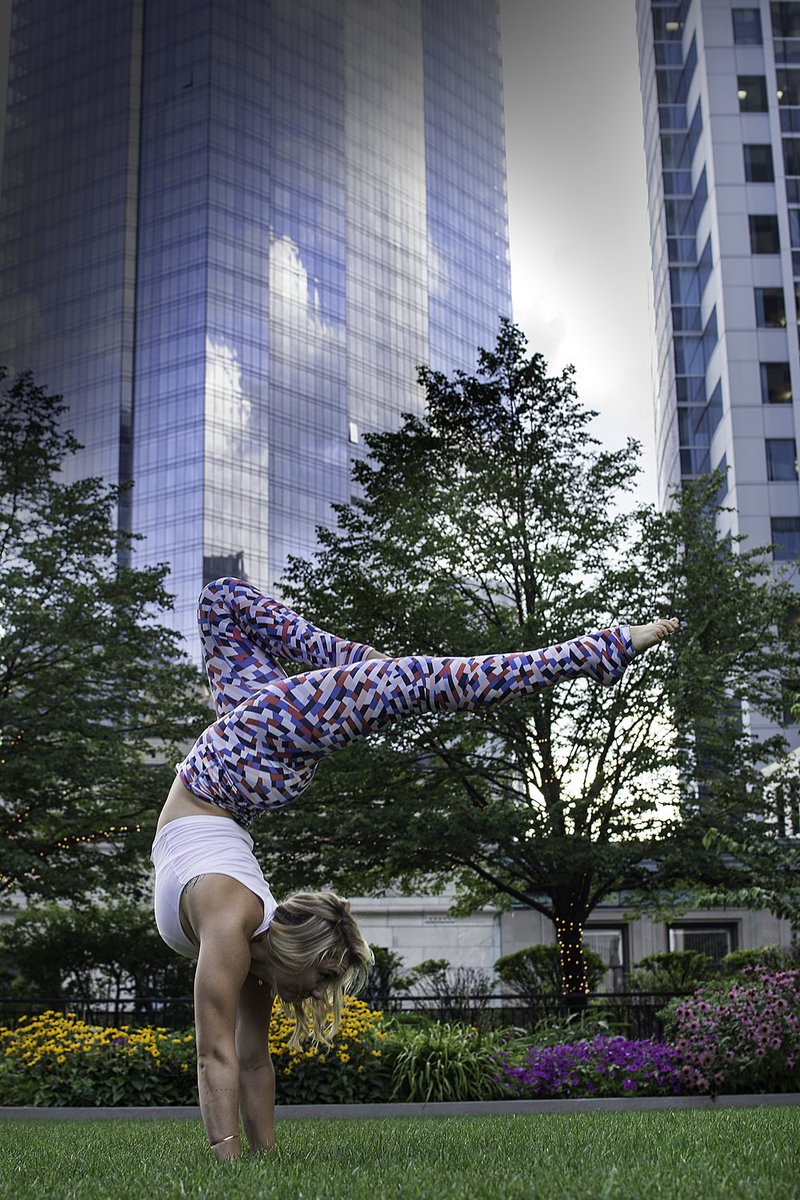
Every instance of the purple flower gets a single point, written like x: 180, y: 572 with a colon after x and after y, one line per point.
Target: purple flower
x: 602, y: 1066
x: 759, y: 1015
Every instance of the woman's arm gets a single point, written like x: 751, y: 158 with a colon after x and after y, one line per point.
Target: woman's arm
x: 256, y: 1072
x: 222, y: 967
x: 223, y: 914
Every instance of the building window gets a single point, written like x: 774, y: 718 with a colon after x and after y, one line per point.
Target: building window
x: 714, y: 939
x: 752, y: 93
x: 747, y: 26
x: 758, y: 166
x: 785, y: 538
x: 781, y: 459
x: 667, y: 24
x: 791, y: 155
x: 786, y: 20
x: 788, y: 87
x: 776, y: 383
x: 215, y: 566
x: 764, y: 237
x: 609, y: 942
x: 770, y: 308
x: 794, y: 227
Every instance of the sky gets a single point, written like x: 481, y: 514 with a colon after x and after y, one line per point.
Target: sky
x: 578, y: 225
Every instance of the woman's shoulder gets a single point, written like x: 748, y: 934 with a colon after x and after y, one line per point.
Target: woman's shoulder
x: 219, y: 905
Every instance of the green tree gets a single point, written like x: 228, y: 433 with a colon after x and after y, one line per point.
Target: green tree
x: 494, y: 522
x: 386, y: 976
x: 95, y: 696
x: 767, y: 874
x: 101, y: 950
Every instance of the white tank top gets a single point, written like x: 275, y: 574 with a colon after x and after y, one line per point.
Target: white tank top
x: 200, y: 845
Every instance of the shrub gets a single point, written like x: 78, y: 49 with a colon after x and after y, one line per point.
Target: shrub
x: 386, y: 975
x: 577, y: 1027
x: 776, y: 958
x: 445, y: 1062
x: 461, y: 994
x: 351, y: 1070
x: 54, y: 1059
x: 603, y: 1066
x: 94, y: 951
x: 739, y: 1035
x: 537, y: 970
x: 672, y: 971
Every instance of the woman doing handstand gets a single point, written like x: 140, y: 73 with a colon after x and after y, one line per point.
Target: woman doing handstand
x: 211, y: 899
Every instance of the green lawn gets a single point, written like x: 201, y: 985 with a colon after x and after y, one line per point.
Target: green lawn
x: 751, y: 1153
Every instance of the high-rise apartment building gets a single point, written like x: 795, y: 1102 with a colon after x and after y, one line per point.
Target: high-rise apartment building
x: 231, y: 230
x: 721, y: 95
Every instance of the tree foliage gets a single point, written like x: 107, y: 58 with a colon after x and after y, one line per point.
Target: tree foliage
x: 101, y: 950
x: 767, y: 875
x: 491, y: 523
x: 95, y: 695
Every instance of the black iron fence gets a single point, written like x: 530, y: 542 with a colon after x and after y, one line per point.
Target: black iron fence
x: 634, y: 1014
x: 172, y: 1012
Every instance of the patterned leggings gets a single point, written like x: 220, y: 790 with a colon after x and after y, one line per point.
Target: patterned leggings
x: 271, y: 730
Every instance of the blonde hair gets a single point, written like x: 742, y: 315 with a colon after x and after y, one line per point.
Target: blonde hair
x: 317, y: 929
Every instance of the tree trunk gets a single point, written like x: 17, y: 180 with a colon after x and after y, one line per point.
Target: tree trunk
x: 574, y: 983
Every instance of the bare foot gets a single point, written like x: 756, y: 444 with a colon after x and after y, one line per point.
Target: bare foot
x: 645, y: 636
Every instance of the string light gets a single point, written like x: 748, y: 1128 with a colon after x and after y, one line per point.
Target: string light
x: 66, y: 843
x: 75, y: 838
x: 573, y: 984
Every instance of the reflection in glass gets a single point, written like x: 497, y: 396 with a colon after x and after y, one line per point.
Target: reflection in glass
x: 770, y: 308
x: 231, y: 234
x: 776, y: 383
x: 758, y: 166
x: 781, y: 459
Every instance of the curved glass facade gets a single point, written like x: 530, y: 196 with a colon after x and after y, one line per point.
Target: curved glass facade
x: 682, y: 248
x: 232, y: 230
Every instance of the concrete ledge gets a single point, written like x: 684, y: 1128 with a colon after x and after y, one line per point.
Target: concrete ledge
x: 476, y: 1108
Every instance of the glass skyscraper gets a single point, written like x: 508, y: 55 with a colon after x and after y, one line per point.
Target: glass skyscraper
x: 231, y: 230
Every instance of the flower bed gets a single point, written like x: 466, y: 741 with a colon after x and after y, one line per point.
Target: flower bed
x: 740, y: 1036
x: 732, y: 1036
x: 349, y: 1071
x: 604, y: 1066
x: 55, y: 1059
